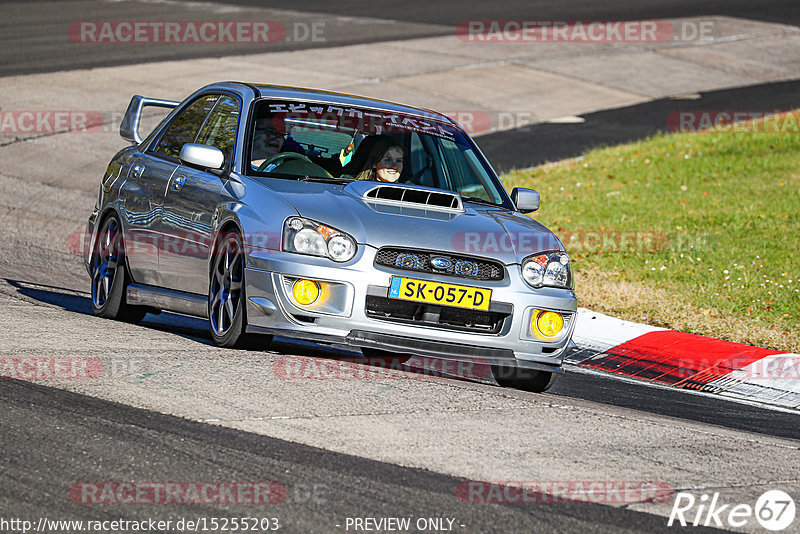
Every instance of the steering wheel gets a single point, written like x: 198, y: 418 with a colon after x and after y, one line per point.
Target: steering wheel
x: 281, y: 158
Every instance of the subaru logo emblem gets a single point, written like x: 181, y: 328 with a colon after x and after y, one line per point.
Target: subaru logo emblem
x: 441, y: 263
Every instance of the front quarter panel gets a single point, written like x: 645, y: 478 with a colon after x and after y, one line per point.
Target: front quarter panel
x: 255, y: 210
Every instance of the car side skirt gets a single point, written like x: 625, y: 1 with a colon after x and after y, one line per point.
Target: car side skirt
x: 167, y: 300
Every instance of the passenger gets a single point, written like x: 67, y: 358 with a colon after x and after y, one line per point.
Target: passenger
x: 378, y: 158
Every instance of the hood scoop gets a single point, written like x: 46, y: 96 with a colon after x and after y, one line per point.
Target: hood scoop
x: 408, y: 195
x: 416, y: 196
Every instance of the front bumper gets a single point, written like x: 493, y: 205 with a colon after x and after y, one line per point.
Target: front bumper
x: 271, y: 309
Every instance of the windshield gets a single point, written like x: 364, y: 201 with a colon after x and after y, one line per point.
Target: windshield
x: 313, y: 141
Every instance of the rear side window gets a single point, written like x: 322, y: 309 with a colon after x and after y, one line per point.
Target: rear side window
x: 220, y: 127
x: 183, y: 129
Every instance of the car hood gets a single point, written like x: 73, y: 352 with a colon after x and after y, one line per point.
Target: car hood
x: 477, y: 230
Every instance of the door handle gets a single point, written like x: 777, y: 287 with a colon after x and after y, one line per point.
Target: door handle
x: 177, y: 183
x: 136, y: 171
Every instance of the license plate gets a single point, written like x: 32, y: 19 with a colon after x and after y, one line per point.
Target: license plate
x: 474, y: 298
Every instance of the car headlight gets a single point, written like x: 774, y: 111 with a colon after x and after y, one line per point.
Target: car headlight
x: 548, y: 269
x: 305, y: 236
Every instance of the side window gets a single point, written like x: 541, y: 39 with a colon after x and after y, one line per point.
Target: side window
x: 220, y: 127
x: 466, y: 178
x: 184, y: 127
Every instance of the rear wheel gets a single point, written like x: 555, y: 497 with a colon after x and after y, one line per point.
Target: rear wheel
x: 110, y: 277
x: 226, y: 296
x: 525, y: 379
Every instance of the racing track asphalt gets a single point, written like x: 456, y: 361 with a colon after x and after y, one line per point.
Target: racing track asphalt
x: 577, y: 383
x: 52, y: 439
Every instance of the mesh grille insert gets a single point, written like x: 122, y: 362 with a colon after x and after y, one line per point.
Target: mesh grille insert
x: 452, y: 264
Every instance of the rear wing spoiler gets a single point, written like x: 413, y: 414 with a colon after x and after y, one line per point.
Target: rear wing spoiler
x: 129, y: 127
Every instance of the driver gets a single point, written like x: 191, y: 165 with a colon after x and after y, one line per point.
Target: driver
x: 268, y: 141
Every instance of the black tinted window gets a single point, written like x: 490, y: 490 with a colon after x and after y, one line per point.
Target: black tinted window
x: 185, y: 126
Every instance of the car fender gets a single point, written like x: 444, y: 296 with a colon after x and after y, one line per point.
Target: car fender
x: 257, y: 212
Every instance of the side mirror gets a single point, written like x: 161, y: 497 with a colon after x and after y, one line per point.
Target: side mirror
x: 526, y: 200
x: 204, y: 156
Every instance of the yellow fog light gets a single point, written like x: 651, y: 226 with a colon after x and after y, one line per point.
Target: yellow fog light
x: 548, y: 323
x: 305, y: 292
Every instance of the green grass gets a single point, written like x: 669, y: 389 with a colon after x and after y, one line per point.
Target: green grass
x: 710, y: 221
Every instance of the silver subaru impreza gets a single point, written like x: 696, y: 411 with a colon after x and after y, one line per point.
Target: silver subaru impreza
x: 333, y: 218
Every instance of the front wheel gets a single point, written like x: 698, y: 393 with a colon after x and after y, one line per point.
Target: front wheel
x: 525, y: 379
x: 110, y: 276
x: 226, y: 296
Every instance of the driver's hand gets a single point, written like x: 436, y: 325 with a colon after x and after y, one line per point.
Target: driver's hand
x: 290, y: 145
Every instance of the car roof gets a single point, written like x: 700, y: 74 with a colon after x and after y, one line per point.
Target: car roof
x: 344, y: 99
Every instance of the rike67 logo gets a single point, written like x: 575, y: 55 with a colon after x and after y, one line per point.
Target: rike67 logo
x: 774, y: 510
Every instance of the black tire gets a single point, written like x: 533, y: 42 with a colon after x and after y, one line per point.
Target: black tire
x: 227, y: 316
x: 524, y: 379
x: 110, y: 276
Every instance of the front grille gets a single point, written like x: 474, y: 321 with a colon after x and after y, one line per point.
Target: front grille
x: 421, y: 261
x: 401, y: 311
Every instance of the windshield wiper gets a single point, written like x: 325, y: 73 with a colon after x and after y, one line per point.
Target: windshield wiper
x: 477, y: 200
x: 305, y: 178
x: 325, y: 180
